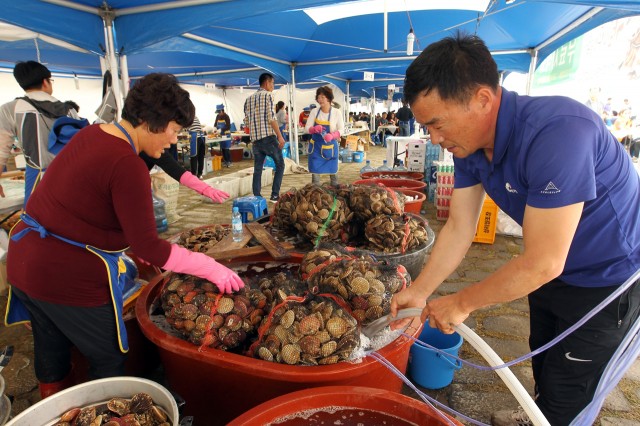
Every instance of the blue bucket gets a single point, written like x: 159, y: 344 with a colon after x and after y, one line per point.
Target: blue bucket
x: 358, y: 156
x: 428, y: 368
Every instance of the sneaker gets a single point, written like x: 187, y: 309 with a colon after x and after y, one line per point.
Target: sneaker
x: 511, y: 418
x: 274, y: 198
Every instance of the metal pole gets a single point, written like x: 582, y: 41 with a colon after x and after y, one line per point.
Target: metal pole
x: 124, y: 67
x: 110, y: 55
x: 293, y: 122
x: 532, y: 70
x: 372, y: 118
x: 347, y: 105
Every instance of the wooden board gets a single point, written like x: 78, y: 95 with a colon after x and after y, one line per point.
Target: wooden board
x: 244, y: 251
x: 273, y: 246
x: 227, y: 243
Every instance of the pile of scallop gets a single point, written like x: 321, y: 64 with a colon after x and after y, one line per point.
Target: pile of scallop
x: 364, y: 216
x: 310, y: 316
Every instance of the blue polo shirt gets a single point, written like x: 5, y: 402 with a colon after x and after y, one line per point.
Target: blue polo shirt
x: 552, y: 152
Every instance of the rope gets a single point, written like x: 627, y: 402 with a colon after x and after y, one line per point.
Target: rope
x: 326, y: 222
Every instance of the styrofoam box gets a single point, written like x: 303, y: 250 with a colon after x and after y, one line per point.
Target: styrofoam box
x: 230, y: 185
x: 245, y: 184
x: 415, y: 164
x: 267, y: 175
x: 417, y: 150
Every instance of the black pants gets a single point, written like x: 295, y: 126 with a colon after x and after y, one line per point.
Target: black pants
x: 197, y: 161
x: 57, y: 327
x: 567, y: 374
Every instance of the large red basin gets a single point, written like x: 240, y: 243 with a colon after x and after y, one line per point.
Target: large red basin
x: 393, y: 175
x: 415, y: 185
x: 414, y: 206
x: 359, y: 406
x: 218, y: 386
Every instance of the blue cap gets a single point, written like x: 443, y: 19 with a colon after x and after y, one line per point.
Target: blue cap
x: 306, y: 109
x: 219, y: 107
x: 312, y: 106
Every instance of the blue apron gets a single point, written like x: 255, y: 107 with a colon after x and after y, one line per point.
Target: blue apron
x: 193, y: 145
x: 113, y: 260
x: 220, y: 125
x: 323, y: 156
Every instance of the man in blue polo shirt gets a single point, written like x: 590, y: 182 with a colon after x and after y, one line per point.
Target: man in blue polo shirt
x: 551, y: 164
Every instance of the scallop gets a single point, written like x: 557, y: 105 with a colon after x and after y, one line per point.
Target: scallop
x: 265, y: 354
x: 328, y: 348
x: 374, y: 312
x: 290, y: 354
x: 359, y: 285
x: 310, y: 345
x: 225, y: 305
x: 286, y: 320
x: 309, y: 325
x: 337, y: 326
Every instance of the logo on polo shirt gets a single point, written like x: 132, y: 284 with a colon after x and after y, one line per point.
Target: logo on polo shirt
x: 550, y: 189
x: 510, y: 188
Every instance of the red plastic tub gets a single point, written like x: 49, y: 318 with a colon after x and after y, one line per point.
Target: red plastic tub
x: 415, y: 205
x: 344, y: 405
x: 218, y: 386
x: 415, y: 185
x: 392, y: 175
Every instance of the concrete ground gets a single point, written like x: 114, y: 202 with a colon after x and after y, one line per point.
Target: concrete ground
x: 473, y: 392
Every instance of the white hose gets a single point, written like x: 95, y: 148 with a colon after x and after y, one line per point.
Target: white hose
x: 516, y: 388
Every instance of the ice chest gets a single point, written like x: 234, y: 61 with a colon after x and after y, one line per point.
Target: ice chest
x: 486, y: 229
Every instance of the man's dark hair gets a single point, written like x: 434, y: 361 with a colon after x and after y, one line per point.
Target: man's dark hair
x: 30, y: 74
x: 264, y: 77
x: 326, y: 91
x: 454, y: 67
x: 157, y: 99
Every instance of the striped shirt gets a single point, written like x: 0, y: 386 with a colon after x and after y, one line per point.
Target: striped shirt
x: 258, y: 110
x: 196, y: 126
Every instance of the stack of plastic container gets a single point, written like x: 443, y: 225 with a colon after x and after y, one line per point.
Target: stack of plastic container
x: 444, y: 188
x: 433, y: 153
x: 416, y: 156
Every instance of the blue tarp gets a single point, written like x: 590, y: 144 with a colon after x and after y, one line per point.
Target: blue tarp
x: 231, y: 42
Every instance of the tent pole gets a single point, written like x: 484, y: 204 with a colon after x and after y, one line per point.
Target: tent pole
x: 293, y: 122
x: 532, y: 70
x: 124, y: 67
x: 347, y: 105
x: 107, y: 16
x: 372, y: 117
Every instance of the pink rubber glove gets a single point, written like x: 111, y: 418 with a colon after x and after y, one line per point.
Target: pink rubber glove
x: 190, y: 181
x: 199, y: 264
x: 328, y: 137
x: 316, y: 129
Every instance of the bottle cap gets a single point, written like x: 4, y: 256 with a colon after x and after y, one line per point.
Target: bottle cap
x: 236, y: 210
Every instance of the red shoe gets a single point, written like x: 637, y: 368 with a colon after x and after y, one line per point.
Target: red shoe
x: 48, y: 389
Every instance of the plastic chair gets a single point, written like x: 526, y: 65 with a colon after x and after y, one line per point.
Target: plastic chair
x: 257, y: 206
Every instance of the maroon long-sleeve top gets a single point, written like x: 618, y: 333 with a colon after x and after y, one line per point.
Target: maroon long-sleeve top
x: 97, y: 191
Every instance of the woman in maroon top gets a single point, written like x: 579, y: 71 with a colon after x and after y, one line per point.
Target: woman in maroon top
x: 93, y: 202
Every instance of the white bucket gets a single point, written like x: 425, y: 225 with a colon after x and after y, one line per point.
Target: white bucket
x: 47, y: 411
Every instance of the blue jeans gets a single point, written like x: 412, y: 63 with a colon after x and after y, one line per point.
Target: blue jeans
x: 262, y: 148
x: 404, y: 128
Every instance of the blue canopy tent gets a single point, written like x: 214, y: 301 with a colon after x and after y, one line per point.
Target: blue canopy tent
x: 230, y: 43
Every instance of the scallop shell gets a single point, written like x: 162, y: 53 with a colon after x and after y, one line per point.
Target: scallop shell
x: 376, y: 286
x: 374, y: 312
x: 337, y: 326
x: 328, y: 348
x: 265, y: 354
x: 323, y: 214
x: 290, y: 354
x: 323, y: 336
x: 375, y: 300
x: 359, y: 285
x: 286, y: 320
x: 310, y: 345
x: 331, y: 359
x: 225, y: 305
x: 309, y: 325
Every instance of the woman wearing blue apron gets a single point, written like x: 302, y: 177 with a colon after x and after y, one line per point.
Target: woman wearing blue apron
x: 64, y: 262
x: 223, y: 124
x: 325, y: 124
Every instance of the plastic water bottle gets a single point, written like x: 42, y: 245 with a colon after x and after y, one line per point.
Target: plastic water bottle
x: 384, y: 167
x: 367, y: 168
x: 158, y: 211
x: 236, y: 225
x: 400, y: 167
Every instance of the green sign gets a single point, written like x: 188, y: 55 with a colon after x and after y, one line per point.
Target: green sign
x: 559, y: 66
